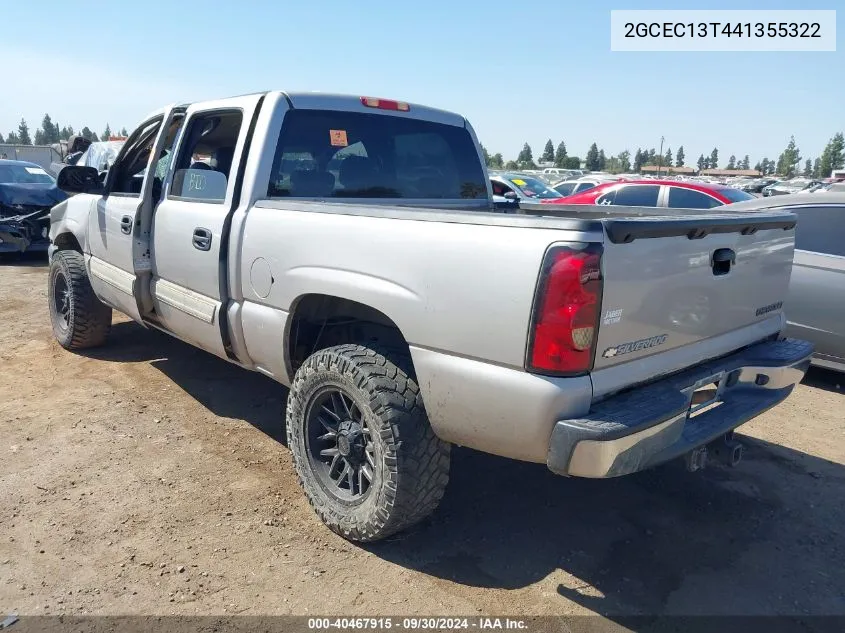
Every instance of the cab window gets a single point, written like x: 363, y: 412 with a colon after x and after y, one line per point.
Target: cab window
x: 126, y: 176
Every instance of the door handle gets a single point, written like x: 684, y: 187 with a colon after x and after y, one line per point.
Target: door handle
x: 126, y: 224
x: 202, y: 239
x: 722, y: 260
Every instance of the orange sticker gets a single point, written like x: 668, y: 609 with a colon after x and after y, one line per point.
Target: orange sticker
x: 338, y: 138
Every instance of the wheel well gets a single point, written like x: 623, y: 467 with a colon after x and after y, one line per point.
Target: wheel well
x: 67, y: 242
x: 321, y: 321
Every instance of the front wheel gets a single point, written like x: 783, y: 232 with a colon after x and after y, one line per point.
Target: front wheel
x: 364, y: 451
x: 80, y: 320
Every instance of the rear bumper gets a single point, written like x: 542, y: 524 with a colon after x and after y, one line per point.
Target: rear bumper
x: 651, y: 424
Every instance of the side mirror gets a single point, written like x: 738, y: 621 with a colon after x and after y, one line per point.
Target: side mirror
x: 511, y: 195
x: 79, y: 179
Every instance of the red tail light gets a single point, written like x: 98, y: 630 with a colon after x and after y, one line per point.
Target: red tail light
x: 566, y: 311
x: 385, y: 104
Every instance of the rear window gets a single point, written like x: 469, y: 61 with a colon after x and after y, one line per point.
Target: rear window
x: 356, y: 155
x: 736, y: 195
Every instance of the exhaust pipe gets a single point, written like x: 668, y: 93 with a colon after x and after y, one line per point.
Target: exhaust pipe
x: 696, y: 459
x: 727, y: 450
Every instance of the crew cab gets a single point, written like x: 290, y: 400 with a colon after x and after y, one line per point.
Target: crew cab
x: 348, y: 248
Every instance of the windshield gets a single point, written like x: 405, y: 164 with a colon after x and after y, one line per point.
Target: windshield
x: 736, y: 195
x: 24, y: 174
x: 339, y: 154
x: 534, y: 188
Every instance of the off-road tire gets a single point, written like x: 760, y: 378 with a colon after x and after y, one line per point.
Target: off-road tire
x: 413, y: 466
x: 89, y: 320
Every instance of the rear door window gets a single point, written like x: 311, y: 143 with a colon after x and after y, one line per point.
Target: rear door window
x: 680, y: 198
x: 335, y: 154
x: 583, y: 186
x: 637, y: 196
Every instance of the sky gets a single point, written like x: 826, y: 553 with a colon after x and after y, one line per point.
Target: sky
x: 520, y: 72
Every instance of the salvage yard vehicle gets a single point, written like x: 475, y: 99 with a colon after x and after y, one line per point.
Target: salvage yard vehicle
x: 815, y: 306
x: 348, y: 248
x: 657, y: 193
x: 27, y: 192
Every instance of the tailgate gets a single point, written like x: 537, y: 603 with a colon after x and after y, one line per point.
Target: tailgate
x: 681, y: 281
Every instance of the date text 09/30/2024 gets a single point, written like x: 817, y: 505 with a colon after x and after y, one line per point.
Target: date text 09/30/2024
x: 415, y: 624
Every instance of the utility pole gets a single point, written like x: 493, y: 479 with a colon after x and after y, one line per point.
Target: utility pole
x: 660, y: 157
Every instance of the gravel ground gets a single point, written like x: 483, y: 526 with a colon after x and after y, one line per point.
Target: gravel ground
x: 147, y: 477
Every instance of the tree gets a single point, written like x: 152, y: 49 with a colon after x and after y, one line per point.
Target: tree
x: 680, y: 157
x: 700, y: 162
x: 651, y: 158
x: 496, y: 161
x: 123, y: 132
x: 89, y: 135
x: 66, y: 133
x: 560, y: 154
x: 107, y: 133
x: 714, y: 159
x: 732, y: 162
x: 548, y: 152
x: 23, y: 134
x: 602, y: 160
x: 1, y: 139
x: 758, y: 167
x: 526, y: 158
x: 745, y: 163
x: 49, y: 130
x: 764, y: 166
x: 511, y: 164
x: 12, y: 138
x: 572, y: 162
x: 592, y: 161
x: 624, y: 161
x: 667, y: 159
x: 639, y: 159
x: 789, y: 159
x: 817, y: 169
x: 484, y: 153
x: 808, y: 168
x: 833, y: 156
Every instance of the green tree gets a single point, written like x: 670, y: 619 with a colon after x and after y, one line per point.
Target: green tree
x: 714, y: 159
x: 817, y: 169
x: 560, y: 154
x: 624, y: 161
x: 66, y: 133
x: 123, y: 132
x: 651, y: 158
x: 107, y: 134
x: 50, y: 131
x: 667, y: 159
x: 833, y: 156
x: 511, y: 164
x: 701, y: 163
x: 1, y: 139
x: 789, y: 159
x: 680, y: 157
x: 572, y: 162
x: 758, y: 167
x: 732, y: 162
x: 548, y: 152
x: 526, y: 158
x: 484, y: 155
x: 496, y: 161
x: 39, y: 137
x: 12, y: 138
x: 745, y: 163
x: 602, y: 160
x: 592, y: 161
x: 89, y: 135
x: 23, y: 134
x: 808, y: 168
x: 639, y: 160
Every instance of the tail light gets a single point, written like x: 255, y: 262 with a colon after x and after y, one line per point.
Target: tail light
x: 566, y: 311
x: 385, y: 104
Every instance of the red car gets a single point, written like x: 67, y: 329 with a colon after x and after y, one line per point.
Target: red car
x: 673, y: 194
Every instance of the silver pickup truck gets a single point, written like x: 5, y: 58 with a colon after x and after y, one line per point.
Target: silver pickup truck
x: 348, y: 248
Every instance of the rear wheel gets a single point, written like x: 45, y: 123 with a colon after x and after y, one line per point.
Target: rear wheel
x: 364, y: 451
x: 79, y: 319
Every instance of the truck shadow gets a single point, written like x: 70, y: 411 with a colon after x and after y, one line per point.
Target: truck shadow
x: 765, y: 537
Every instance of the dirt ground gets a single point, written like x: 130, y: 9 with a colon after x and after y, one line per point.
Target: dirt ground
x: 147, y: 477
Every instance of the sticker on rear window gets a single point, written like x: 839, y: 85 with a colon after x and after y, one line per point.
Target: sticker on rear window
x: 36, y: 170
x: 338, y: 138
